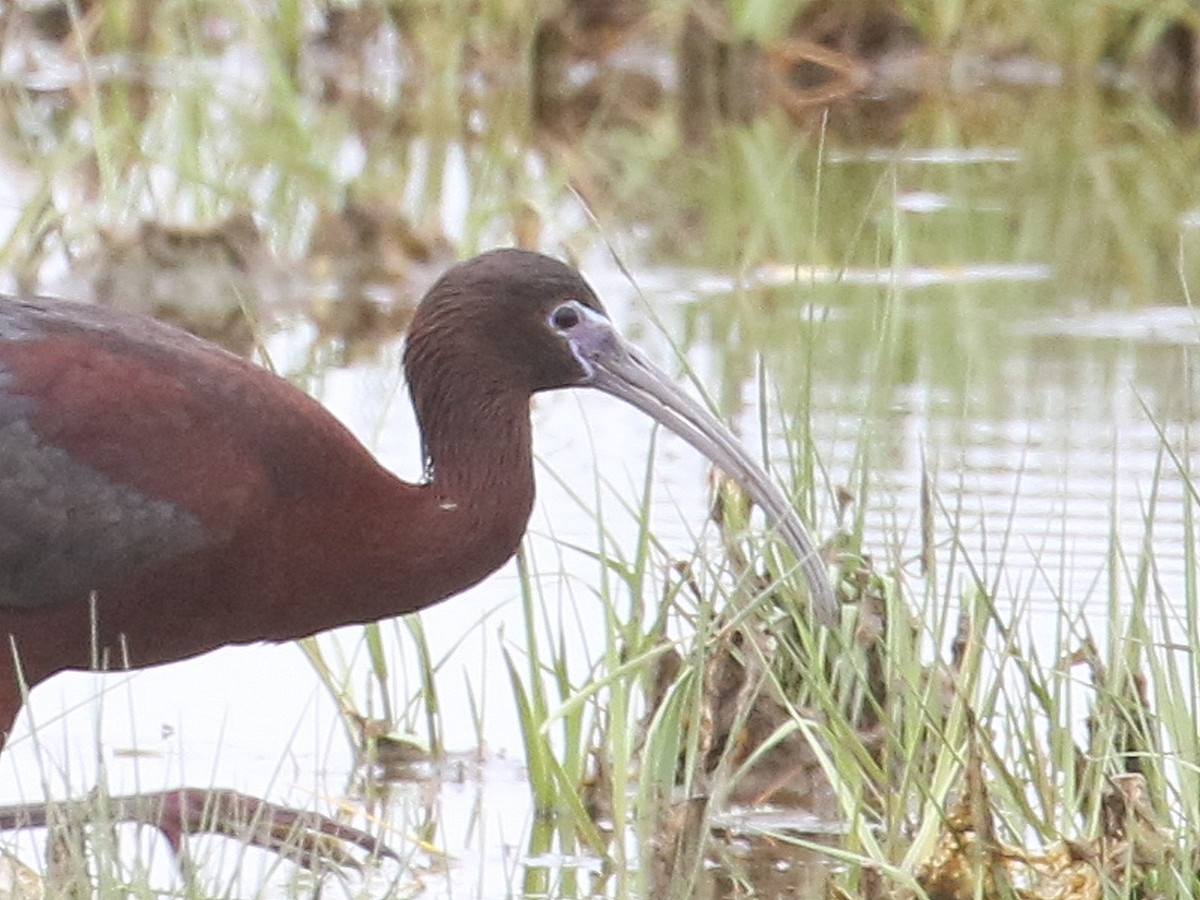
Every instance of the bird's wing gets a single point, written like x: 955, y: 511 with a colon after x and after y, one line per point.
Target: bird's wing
x: 119, y: 448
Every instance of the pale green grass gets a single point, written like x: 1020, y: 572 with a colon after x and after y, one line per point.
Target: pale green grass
x: 1099, y: 198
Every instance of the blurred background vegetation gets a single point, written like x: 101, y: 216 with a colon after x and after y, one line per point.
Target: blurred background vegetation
x: 950, y: 244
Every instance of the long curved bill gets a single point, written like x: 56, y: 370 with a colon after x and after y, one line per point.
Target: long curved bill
x: 618, y: 368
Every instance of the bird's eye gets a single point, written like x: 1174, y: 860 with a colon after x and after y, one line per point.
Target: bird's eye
x: 565, y: 317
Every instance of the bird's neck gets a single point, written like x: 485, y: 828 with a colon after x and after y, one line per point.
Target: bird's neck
x: 478, y: 450
x: 392, y: 547
x: 479, y: 491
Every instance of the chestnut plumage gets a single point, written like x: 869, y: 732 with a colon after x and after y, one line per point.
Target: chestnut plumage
x: 160, y: 497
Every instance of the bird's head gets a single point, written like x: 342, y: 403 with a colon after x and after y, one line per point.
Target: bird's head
x: 511, y: 321
x: 514, y: 316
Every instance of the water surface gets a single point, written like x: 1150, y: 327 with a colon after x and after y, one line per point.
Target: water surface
x: 1003, y: 309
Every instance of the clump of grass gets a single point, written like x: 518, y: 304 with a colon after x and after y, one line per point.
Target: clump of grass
x: 897, y: 712
x: 946, y: 748
x: 970, y: 763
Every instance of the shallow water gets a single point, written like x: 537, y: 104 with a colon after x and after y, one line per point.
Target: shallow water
x: 1037, y: 480
x: 991, y: 312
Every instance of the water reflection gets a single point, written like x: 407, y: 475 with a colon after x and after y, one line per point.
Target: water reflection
x: 1051, y: 426
x: 988, y: 289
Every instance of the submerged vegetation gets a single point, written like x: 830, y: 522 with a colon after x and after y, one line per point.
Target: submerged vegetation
x: 961, y: 236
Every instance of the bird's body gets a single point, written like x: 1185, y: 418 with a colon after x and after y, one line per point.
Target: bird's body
x: 160, y: 497
x: 205, y: 502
